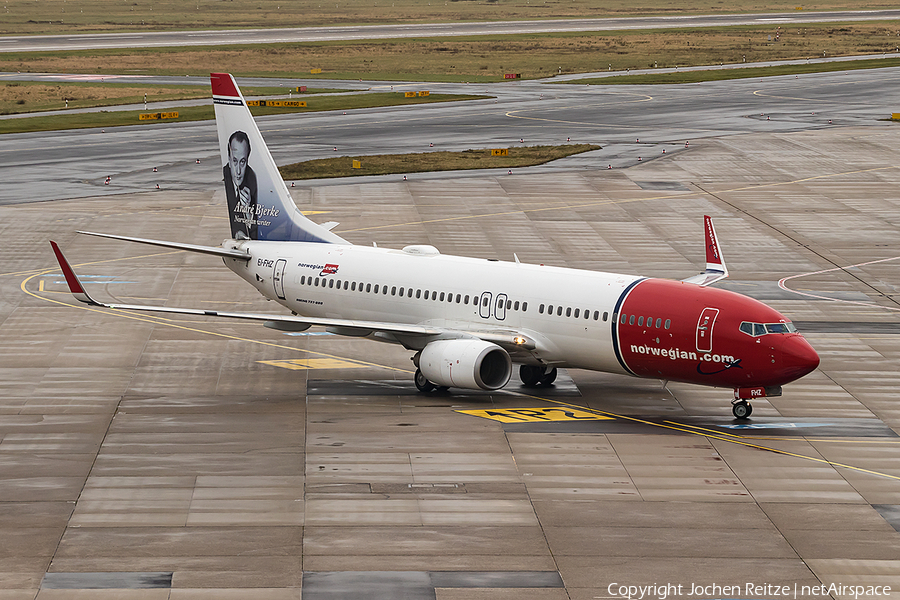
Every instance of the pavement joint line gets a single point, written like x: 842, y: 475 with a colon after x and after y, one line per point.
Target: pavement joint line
x: 782, y: 285
x: 612, y: 201
x: 674, y: 426
x: 87, y: 264
x: 720, y: 437
x: 162, y: 321
x: 787, y: 439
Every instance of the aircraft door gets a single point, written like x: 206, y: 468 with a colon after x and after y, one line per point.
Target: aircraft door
x: 484, y: 305
x: 705, y: 329
x: 278, y: 277
x: 500, y: 307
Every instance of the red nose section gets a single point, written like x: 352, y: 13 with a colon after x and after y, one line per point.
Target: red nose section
x: 797, y: 358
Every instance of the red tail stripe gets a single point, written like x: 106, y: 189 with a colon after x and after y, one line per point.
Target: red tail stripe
x: 223, y: 85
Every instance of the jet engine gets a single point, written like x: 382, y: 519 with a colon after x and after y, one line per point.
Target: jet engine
x: 470, y: 364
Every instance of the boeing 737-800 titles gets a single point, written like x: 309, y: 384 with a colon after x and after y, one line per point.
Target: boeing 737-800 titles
x: 468, y: 320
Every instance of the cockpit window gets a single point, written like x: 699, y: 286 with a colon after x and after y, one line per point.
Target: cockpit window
x: 758, y: 329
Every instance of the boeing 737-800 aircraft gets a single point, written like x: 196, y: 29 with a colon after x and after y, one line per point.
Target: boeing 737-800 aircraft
x: 469, y: 320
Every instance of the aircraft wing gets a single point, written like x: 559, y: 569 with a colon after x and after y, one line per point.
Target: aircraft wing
x: 715, y: 263
x: 504, y: 337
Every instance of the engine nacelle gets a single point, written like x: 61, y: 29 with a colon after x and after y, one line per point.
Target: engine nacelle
x: 469, y: 364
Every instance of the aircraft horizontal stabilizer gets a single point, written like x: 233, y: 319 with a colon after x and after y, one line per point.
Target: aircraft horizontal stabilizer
x: 715, y: 262
x: 214, y: 250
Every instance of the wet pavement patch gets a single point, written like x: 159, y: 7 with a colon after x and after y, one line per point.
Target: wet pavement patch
x: 416, y: 585
x: 890, y: 512
x: 106, y: 581
x: 723, y: 426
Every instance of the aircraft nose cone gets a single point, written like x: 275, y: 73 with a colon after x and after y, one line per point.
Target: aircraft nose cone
x: 797, y: 357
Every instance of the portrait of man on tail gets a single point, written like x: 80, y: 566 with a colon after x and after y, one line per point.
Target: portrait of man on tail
x: 240, y: 188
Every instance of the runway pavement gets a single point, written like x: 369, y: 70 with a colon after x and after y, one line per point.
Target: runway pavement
x: 630, y: 122
x: 156, y: 39
x: 190, y: 458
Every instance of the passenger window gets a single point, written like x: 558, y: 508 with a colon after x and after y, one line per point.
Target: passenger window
x: 338, y: 286
x: 568, y: 311
x: 640, y: 321
x: 484, y: 301
x: 605, y: 315
x: 346, y: 283
x: 442, y: 296
x: 427, y: 294
x: 409, y: 293
x: 559, y: 311
x: 317, y: 282
x: 331, y: 283
x: 376, y: 288
x: 668, y: 323
x: 466, y: 299
x: 394, y: 291
x: 418, y: 293
x: 303, y: 280
x: 353, y: 287
x: 509, y: 304
x: 516, y: 305
x: 631, y: 320
x: 457, y: 298
x: 384, y: 290
x: 368, y: 287
x: 541, y: 309
x: 401, y: 291
x: 577, y: 312
x: 524, y: 306
x: 658, y: 322
x: 623, y: 318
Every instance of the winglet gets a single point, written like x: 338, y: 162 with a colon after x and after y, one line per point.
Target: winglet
x: 714, y: 260
x: 71, y: 278
x: 715, y: 263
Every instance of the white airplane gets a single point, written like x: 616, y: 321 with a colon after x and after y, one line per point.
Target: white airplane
x: 469, y: 320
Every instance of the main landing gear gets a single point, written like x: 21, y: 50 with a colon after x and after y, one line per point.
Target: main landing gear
x: 741, y: 409
x: 537, y: 376
x: 423, y: 385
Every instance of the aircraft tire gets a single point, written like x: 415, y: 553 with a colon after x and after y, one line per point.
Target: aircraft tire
x: 530, y: 376
x: 549, y: 377
x: 422, y: 384
x: 741, y: 410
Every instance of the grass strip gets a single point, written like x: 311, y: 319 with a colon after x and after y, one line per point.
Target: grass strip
x: 719, y: 74
x: 202, y: 113
x: 389, y: 164
x: 18, y: 97
x: 483, y: 58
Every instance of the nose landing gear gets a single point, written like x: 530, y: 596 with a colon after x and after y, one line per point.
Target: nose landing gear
x: 741, y: 409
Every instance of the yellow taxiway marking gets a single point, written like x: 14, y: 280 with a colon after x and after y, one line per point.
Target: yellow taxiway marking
x: 709, y: 434
x: 536, y: 415
x: 302, y: 364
